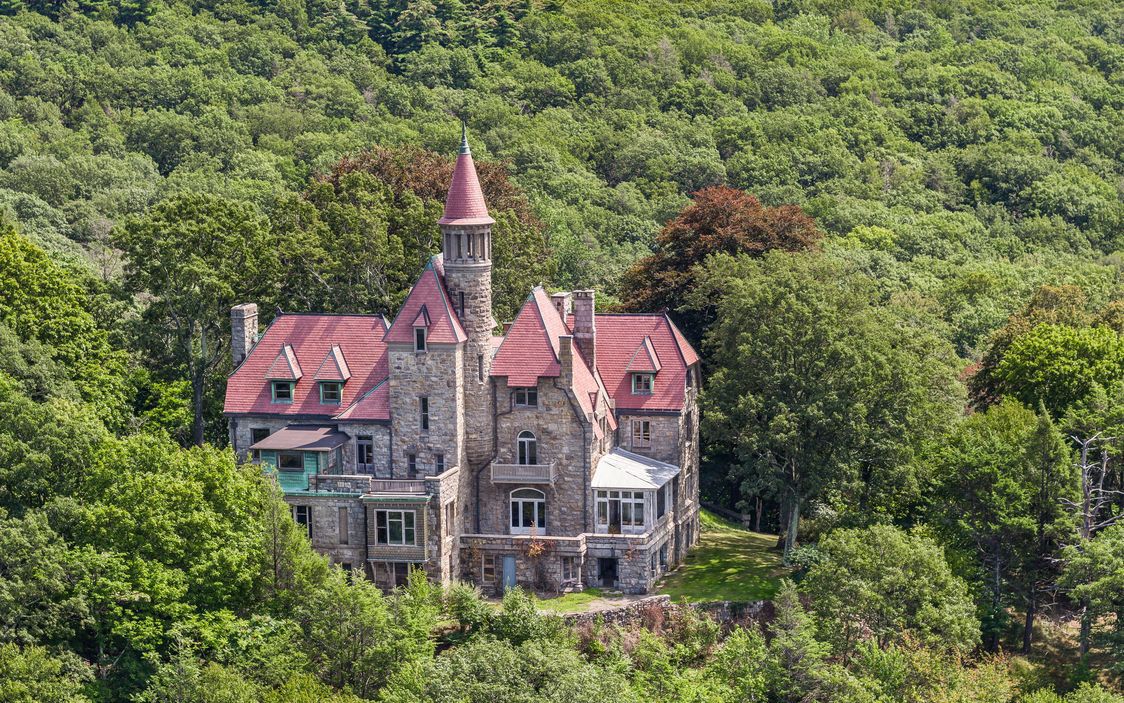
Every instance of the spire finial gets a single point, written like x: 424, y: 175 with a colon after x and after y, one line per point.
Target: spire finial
x: 464, y: 138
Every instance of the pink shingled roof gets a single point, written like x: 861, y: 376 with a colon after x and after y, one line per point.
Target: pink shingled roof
x: 530, y: 348
x: 334, y: 367
x: 429, y: 292
x: 620, y: 337
x: 464, y: 204
x: 285, y: 366
x: 311, y: 338
x: 374, y: 404
x: 644, y: 359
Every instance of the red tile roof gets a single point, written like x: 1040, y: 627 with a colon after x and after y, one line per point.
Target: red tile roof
x: 372, y: 405
x: 464, y: 204
x: 285, y: 366
x: 311, y: 338
x: 644, y: 359
x: 334, y: 367
x: 429, y: 293
x: 621, y: 337
x: 531, y: 348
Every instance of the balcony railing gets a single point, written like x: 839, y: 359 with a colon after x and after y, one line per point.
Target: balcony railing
x: 404, y: 486
x: 523, y: 473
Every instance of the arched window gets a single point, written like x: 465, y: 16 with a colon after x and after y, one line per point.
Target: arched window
x: 528, y: 448
x: 528, y: 511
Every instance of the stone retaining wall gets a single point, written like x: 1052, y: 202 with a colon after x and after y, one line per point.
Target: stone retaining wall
x: 634, y: 614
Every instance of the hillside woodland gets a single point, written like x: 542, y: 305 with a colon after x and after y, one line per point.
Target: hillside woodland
x: 893, y: 227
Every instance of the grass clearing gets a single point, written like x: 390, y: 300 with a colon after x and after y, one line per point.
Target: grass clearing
x: 729, y: 563
x: 577, y: 602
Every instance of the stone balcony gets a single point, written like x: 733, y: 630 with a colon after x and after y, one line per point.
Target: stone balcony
x: 524, y: 473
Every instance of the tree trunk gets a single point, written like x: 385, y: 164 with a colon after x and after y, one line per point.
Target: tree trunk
x: 757, y: 516
x: 783, y: 515
x: 793, y: 525
x: 197, y: 409
x: 1028, y: 628
x: 1086, y: 628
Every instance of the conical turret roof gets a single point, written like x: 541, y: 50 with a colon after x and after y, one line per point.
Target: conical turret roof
x: 464, y: 205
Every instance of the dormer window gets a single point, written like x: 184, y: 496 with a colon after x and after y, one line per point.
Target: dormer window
x: 526, y: 397
x: 419, y: 339
x: 331, y: 392
x: 642, y: 383
x: 282, y: 391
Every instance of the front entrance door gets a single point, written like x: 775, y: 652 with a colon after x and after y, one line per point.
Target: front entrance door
x: 508, y: 571
x: 608, y: 570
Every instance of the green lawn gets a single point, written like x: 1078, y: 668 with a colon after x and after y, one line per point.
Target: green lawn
x: 571, y: 602
x: 729, y: 563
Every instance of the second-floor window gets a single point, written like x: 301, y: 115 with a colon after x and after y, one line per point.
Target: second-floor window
x: 331, y: 392
x: 526, y: 397
x: 365, y: 454
x: 395, y: 527
x: 412, y: 464
x: 528, y: 448
x: 282, y: 391
x: 302, y: 515
x: 641, y: 434
x: 642, y: 384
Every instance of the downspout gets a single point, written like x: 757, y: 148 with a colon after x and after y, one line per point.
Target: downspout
x: 585, y: 456
x: 495, y: 451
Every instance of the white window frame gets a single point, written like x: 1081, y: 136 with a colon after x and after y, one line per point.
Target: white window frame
x: 528, y: 499
x: 527, y: 449
x: 571, y: 570
x: 406, y: 521
x: 631, y: 509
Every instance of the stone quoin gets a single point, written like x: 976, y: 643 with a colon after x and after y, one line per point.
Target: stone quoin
x: 561, y: 454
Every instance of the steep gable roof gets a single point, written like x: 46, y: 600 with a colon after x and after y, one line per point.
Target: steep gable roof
x: 333, y: 367
x: 285, y: 366
x: 623, y: 339
x: 529, y: 350
x: 644, y: 359
x: 310, y: 340
x: 429, y: 293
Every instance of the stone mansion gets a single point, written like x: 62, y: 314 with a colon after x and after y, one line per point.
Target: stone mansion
x: 560, y: 454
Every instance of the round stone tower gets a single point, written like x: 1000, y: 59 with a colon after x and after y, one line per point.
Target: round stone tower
x: 466, y: 247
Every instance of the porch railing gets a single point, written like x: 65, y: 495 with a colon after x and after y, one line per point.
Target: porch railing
x: 524, y: 473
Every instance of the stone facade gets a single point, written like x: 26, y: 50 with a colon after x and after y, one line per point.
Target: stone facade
x: 445, y: 459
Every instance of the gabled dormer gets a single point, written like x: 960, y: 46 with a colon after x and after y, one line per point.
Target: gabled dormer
x: 642, y: 367
x: 283, y: 375
x: 421, y: 327
x: 331, y: 375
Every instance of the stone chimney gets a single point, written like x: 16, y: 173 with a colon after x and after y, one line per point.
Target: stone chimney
x: 243, y: 330
x: 563, y: 303
x: 566, y: 359
x: 585, y: 325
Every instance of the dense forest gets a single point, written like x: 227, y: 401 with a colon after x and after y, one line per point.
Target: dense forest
x: 893, y: 227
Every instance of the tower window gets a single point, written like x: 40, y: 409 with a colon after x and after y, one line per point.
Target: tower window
x: 439, y: 464
x: 419, y: 339
x: 528, y: 448
x: 480, y: 367
x: 460, y: 301
x: 526, y: 397
x: 423, y: 413
x: 412, y: 464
